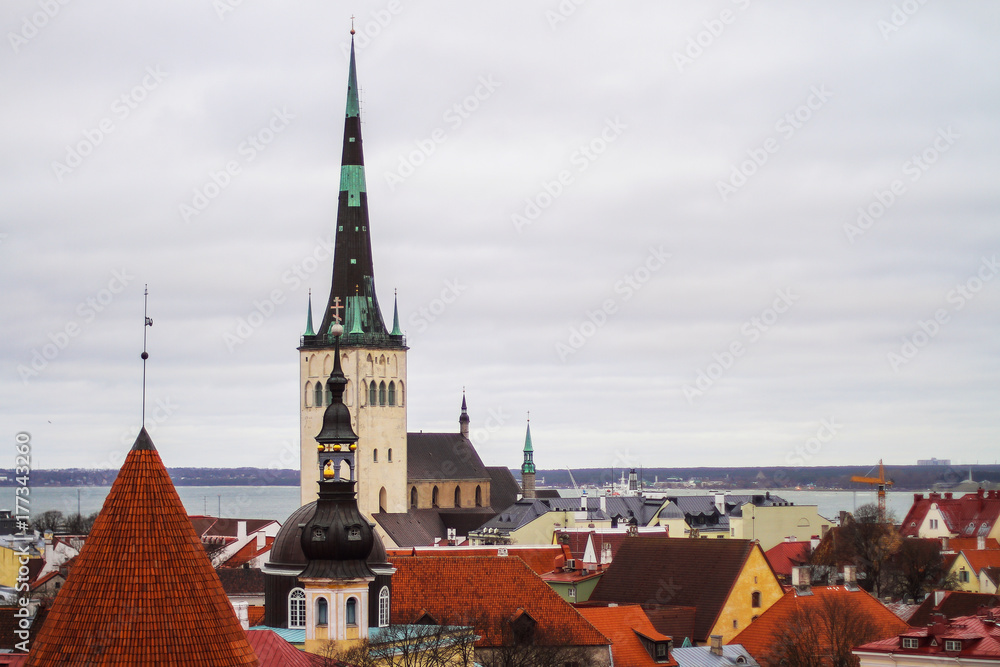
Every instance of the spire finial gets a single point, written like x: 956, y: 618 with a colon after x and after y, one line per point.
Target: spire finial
x: 352, y: 24
x: 147, y: 321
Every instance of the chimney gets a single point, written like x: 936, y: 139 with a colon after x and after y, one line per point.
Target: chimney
x: 720, y: 502
x: 604, y: 503
x: 981, y: 542
x: 241, y: 531
x: 242, y: 610
x: 938, y: 598
x: 261, y: 540
x: 813, y: 543
x: 944, y: 544
x: 716, y: 648
x: 800, y: 577
x: 850, y: 575
x: 583, y: 500
x: 948, y: 496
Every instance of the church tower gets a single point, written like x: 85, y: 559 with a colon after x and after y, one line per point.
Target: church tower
x: 528, y: 466
x: 373, y: 359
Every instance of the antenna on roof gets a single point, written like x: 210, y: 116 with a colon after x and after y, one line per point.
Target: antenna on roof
x: 147, y: 322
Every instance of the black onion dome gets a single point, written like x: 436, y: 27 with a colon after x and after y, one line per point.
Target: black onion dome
x: 337, y: 540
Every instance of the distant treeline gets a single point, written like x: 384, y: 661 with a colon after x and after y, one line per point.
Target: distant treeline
x: 180, y: 477
x: 829, y: 477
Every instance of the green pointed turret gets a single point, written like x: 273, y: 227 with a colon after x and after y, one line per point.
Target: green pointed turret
x: 395, y: 317
x: 529, y: 454
x: 354, y: 312
x: 309, y: 317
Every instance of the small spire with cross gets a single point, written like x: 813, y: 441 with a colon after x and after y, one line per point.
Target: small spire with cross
x: 352, y: 24
x: 336, y: 308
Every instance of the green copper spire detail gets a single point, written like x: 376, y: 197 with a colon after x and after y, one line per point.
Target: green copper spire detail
x: 309, y: 317
x: 395, y: 318
x: 529, y: 463
x: 354, y: 310
x: 353, y: 107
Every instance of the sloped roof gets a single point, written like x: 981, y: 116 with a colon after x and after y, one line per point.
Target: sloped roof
x: 702, y: 656
x: 541, y: 559
x: 486, y: 592
x: 980, y: 559
x: 248, y: 552
x: 759, y: 637
x: 786, y: 555
x: 676, y: 621
x: 273, y: 651
x: 953, y: 605
x: 971, y: 515
x: 504, y: 488
x: 672, y: 570
x: 442, y: 456
x: 980, y: 640
x: 142, y: 587
x: 620, y: 625
x: 577, y: 541
x: 241, y: 581
x: 415, y: 528
x: 970, y: 543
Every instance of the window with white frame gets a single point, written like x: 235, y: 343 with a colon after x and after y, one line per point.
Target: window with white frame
x: 297, y: 608
x: 910, y: 642
x: 351, y: 611
x: 383, y: 607
x: 934, y: 524
x: 952, y: 645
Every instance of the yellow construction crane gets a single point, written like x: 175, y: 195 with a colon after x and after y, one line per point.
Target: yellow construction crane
x: 881, y: 482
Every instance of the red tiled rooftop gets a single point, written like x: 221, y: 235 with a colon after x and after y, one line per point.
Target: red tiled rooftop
x: 142, y: 590
x: 273, y: 651
x: 980, y: 559
x: 963, y: 516
x: 620, y: 624
x: 971, y: 543
x: 786, y: 555
x: 759, y: 637
x: 248, y: 552
x: 980, y: 640
x: 485, y: 592
x: 540, y: 559
x: 953, y: 604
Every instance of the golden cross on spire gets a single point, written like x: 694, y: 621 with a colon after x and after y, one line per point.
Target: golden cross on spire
x: 352, y: 24
x: 336, y: 308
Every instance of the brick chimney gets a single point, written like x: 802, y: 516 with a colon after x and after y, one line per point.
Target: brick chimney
x: 981, y: 542
x: 800, y: 578
x: 716, y: 645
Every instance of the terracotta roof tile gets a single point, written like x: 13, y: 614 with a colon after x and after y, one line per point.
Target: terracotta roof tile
x: 971, y: 515
x: 980, y: 640
x: 620, y: 624
x: 541, y: 560
x: 760, y: 636
x: 142, y: 590
x: 248, y: 552
x: 672, y: 571
x: 953, y: 604
x: 786, y: 555
x: 273, y: 651
x: 486, y: 592
x: 980, y: 559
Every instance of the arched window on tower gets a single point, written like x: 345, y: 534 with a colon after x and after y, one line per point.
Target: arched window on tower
x: 318, y: 395
x: 327, y: 365
x: 297, y: 608
x: 383, y: 607
x: 370, y: 365
x: 375, y: 455
x: 434, y: 497
x: 372, y: 394
x: 383, y: 499
x: 322, y: 611
x: 392, y: 393
x: 381, y: 393
x: 389, y: 455
x: 308, y: 397
x: 351, y: 612
x: 413, y: 496
x: 479, y: 496
x: 755, y: 599
x: 458, y: 496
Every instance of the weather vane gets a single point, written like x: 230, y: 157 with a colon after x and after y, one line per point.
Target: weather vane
x: 147, y: 322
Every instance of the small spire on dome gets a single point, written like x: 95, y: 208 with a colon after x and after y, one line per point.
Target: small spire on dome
x: 352, y: 26
x: 396, y: 331
x: 309, y: 316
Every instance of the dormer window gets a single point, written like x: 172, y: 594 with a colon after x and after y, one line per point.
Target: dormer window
x: 910, y: 642
x: 952, y: 645
x: 354, y: 533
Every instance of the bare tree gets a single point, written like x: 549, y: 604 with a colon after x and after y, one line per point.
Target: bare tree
x: 823, y: 634
x: 867, y: 542
x: 408, y: 646
x: 48, y: 520
x: 918, y: 568
x: 77, y: 524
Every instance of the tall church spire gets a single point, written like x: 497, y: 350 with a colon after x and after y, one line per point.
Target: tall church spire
x: 528, y: 466
x: 353, y: 268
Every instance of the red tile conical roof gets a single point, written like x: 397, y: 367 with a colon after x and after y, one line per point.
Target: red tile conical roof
x: 142, y: 591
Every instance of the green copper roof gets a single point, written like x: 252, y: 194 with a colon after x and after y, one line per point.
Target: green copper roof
x: 352, y: 181
x: 354, y: 311
x: 353, y: 108
x: 529, y: 464
x: 309, y: 318
x: 395, y: 321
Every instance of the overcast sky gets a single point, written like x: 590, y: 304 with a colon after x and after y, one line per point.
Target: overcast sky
x: 730, y: 233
